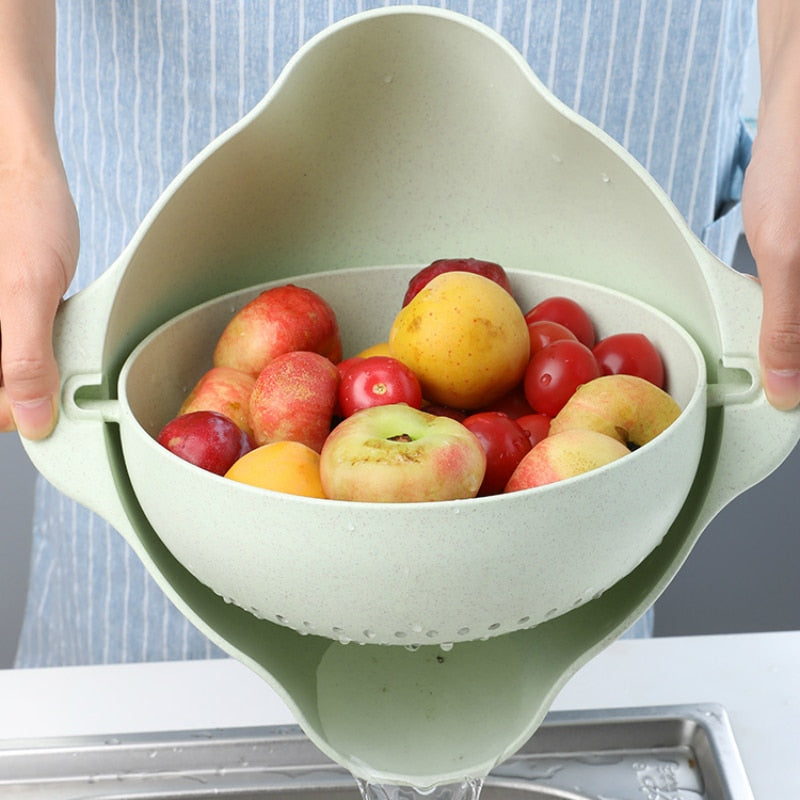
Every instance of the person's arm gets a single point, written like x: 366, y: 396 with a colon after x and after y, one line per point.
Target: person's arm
x: 38, y: 222
x: 771, y: 199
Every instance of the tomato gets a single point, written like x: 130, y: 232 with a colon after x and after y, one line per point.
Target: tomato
x: 536, y: 425
x: 544, y: 331
x: 514, y: 403
x: 568, y: 313
x: 343, y: 366
x: 378, y: 381
x: 446, y: 411
x: 504, y: 442
x: 630, y: 354
x: 555, y: 372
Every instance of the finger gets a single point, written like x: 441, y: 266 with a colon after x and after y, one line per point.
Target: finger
x: 779, y: 343
x: 7, y: 423
x: 30, y: 373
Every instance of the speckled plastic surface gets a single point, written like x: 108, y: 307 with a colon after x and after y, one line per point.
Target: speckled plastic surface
x: 393, y: 138
x: 411, y: 573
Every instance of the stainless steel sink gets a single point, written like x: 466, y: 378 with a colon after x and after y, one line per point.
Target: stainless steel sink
x: 658, y: 753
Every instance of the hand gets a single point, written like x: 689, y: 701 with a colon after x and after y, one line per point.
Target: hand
x: 771, y: 199
x: 38, y: 255
x: 771, y: 212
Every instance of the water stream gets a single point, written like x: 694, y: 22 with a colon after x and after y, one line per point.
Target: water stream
x: 466, y: 790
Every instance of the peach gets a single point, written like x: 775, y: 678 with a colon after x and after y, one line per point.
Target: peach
x: 629, y: 408
x: 290, y: 467
x: 225, y: 390
x: 564, y: 455
x: 294, y: 399
x: 377, y: 349
x: 277, y: 321
x: 466, y: 339
x: 398, y: 454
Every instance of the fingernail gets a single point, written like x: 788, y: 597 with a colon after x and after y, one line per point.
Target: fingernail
x: 35, y: 419
x: 783, y: 388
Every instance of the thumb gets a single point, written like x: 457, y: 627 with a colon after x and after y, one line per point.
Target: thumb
x: 779, y: 343
x: 30, y: 374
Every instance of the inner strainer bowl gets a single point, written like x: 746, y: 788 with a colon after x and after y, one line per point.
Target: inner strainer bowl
x: 407, y: 573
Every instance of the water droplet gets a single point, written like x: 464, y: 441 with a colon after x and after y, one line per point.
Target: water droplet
x: 557, y: 158
x: 388, y: 78
x: 523, y: 620
x: 551, y: 613
x: 412, y: 648
x: 446, y: 646
x: 462, y: 631
x: 605, y: 178
x: 344, y: 640
x: 369, y: 634
x: 432, y: 634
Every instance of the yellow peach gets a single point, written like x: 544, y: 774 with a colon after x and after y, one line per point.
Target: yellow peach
x: 627, y: 407
x: 465, y: 338
x: 378, y: 349
x: 285, y: 466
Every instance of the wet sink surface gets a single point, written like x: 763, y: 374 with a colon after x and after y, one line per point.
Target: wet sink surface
x: 659, y: 753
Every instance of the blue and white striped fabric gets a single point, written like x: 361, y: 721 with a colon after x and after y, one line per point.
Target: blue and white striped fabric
x: 145, y: 84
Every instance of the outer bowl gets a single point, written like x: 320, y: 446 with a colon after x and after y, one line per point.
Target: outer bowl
x: 415, y: 573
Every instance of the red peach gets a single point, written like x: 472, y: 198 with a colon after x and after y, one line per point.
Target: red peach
x: 277, y: 321
x: 225, y: 390
x: 294, y: 399
x: 564, y: 455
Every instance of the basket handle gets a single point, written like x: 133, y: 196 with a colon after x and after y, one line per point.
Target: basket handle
x: 75, y: 458
x: 756, y: 438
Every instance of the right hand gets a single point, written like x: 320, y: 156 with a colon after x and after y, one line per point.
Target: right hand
x: 38, y: 255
